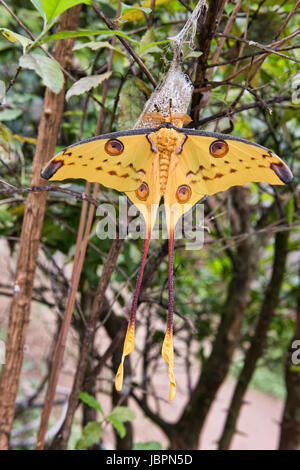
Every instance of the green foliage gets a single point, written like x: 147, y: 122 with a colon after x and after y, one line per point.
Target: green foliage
x: 86, y: 84
x: 46, y: 68
x: 130, y: 9
x: 13, y: 37
x: 90, y: 435
x: 6, y: 219
x: 91, y: 401
x: 120, y: 415
x: 53, y: 8
x: 132, y: 100
x: 85, y: 33
x: 150, y: 445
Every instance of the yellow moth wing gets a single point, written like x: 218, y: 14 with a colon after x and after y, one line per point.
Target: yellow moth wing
x: 149, y: 206
x: 242, y: 163
x: 175, y: 209
x: 89, y: 160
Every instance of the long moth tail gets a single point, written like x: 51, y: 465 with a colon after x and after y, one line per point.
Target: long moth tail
x: 129, y: 338
x: 167, y: 348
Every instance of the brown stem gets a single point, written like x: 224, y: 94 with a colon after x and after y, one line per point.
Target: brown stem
x: 61, y: 343
x: 204, y: 39
x: 227, y: 28
x: 290, y: 424
x: 83, y: 196
x: 258, y: 340
x: 61, y: 440
x: 30, y: 237
x: 244, y: 107
x: 77, y: 268
x: 127, y: 46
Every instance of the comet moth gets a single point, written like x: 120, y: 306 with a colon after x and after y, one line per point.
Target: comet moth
x: 168, y: 161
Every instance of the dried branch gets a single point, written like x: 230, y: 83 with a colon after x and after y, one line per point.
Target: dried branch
x: 254, y: 352
x: 127, y: 46
x: 82, y: 196
x: 259, y: 46
x: 244, y: 107
x: 30, y: 236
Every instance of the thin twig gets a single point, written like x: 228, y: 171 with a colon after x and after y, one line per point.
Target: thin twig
x: 244, y: 107
x: 126, y: 44
x: 51, y: 188
x: 258, y: 45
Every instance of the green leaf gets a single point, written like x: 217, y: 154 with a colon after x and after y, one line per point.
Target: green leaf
x: 129, y: 8
x: 118, y: 416
x: 10, y: 114
x: 135, y: 12
x: 86, y: 84
x: 90, y: 401
x: 193, y: 54
x: 5, y: 134
x: 150, y: 445
x: 14, y: 37
x: 131, y: 103
x: 94, y: 45
x: 48, y: 69
x: 122, y: 413
x: 39, y: 6
x: 90, y: 435
x: 54, y: 8
x: 119, y: 426
x: 151, y: 50
x: 85, y: 33
x: 142, y: 86
x: 153, y: 45
x: 126, y: 8
x: 6, y: 218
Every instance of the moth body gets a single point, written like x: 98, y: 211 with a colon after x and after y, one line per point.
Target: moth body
x: 166, y: 143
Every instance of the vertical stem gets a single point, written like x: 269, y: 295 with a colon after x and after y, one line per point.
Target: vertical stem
x: 61, y: 342
x: 30, y: 238
x: 258, y: 340
x: 61, y: 440
x: 290, y: 423
x: 77, y: 269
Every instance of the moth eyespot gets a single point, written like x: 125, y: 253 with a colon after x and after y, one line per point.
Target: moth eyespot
x: 114, y: 147
x: 142, y: 192
x: 218, y: 148
x: 183, y: 193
